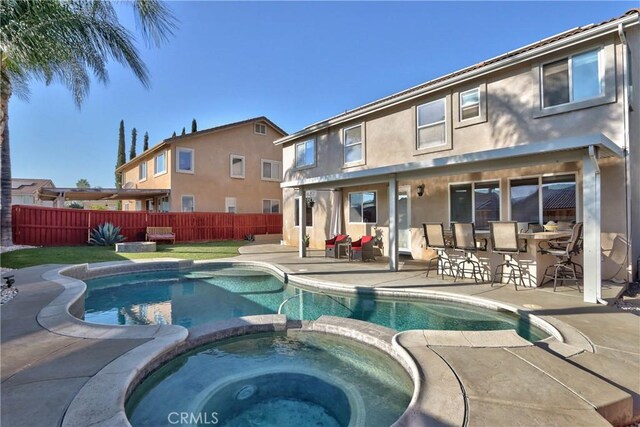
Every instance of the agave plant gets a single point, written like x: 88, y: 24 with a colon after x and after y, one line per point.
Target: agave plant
x: 106, y: 234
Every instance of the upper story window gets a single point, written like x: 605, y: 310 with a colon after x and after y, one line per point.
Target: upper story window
x: 363, y: 207
x: 306, y: 153
x: 260, y: 128
x: 184, y: 160
x: 271, y: 170
x: 353, y: 144
x: 236, y: 165
x: 470, y: 104
x: 160, y: 163
x: 573, y: 79
x: 432, y: 130
x: 142, y: 171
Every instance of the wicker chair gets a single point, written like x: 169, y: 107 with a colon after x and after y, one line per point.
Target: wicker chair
x: 434, y: 239
x: 565, y: 269
x: 504, y: 241
x: 464, y: 240
x: 362, y: 249
x: 330, y: 246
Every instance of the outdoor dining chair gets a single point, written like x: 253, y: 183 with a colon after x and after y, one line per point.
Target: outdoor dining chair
x: 565, y: 269
x: 464, y: 240
x: 504, y: 241
x: 434, y: 239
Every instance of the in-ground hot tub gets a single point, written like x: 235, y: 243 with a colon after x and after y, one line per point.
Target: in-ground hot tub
x: 295, y: 379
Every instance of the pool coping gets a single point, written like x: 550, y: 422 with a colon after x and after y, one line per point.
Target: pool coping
x: 114, y: 383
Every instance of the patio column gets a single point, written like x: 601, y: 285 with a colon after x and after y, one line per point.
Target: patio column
x: 591, y: 231
x: 393, y: 224
x: 302, y: 221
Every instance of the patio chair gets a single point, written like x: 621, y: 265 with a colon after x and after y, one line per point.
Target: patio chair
x: 565, y: 269
x: 464, y: 240
x: 504, y: 241
x: 434, y: 239
x: 330, y: 246
x: 362, y: 249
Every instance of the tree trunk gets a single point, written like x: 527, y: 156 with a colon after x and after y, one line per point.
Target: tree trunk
x: 6, y: 238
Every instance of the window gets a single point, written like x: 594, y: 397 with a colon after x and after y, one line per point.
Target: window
x: 142, y: 171
x: 159, y: 163
x: 184, y: 160
x: 353, y: 144
x: 476, y: 202
x: 306, y: 153
x: 470, y: 104
x: 164, y: 204
x: 138, y: 205
x: 309, y: 214
x: 270, y: 206
x: 573, y: 79
x: 188, y: 204
x: 432, y: 130
x: 149, y: 205
x: 260, y: 128
x: 363, y: 207
x: 271, y: 170
x: 543, y: 199
x: 236, y: 166
x: 230, y: 205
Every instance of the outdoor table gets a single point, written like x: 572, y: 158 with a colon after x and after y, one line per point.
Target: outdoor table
x: 347, y: 249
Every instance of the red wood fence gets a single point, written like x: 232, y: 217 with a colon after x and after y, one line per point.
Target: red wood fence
x: 40, y: 226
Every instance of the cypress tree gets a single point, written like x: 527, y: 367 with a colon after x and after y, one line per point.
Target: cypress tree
x: 134, y: 137
x: 174, y: 134
x: 194, y: 126
x: 184, y: 132
x: 122, y: 159
x: 145, y: 145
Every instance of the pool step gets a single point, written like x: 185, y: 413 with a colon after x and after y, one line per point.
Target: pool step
x: 507, y: 380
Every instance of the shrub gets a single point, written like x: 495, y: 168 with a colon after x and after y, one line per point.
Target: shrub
x: 106, y: 235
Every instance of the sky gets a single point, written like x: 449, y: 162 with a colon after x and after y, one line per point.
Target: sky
x: 295, y: 62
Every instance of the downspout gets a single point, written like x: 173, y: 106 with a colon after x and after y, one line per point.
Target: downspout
x: 627, y: 172
x: 594, y: 161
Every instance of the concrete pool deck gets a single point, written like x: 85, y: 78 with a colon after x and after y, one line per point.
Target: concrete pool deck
x: 549, y: 383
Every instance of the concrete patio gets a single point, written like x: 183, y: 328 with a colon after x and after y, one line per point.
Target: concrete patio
x: 589, y: 377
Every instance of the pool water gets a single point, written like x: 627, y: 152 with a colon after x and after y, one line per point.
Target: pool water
x: 190, y: 298
x: 284, y: 380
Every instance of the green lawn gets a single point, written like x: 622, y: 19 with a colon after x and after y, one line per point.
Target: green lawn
x: 81, y: 254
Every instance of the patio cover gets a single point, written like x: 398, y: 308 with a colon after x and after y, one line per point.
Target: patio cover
x: 100, y: 193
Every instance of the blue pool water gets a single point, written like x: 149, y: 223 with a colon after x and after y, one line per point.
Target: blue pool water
x: 190, y: 298
x: 280, y: 380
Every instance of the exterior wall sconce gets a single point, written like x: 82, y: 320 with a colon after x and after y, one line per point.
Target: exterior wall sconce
x: 420, y: 190
x: 310, y: 202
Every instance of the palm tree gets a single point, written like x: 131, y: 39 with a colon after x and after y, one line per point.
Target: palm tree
x: 66, y: 41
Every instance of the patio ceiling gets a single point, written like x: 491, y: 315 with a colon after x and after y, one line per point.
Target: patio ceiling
x: 100, y: 193
x: 535, y: 153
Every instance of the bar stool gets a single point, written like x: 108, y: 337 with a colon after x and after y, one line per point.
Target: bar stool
x: 434, y: 238
x: 464, y: 240
x: 504, y: 241
x: 565, y: 268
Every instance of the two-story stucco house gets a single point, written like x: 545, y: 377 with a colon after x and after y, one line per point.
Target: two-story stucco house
x: 546, y: 132
x: 231, y: 168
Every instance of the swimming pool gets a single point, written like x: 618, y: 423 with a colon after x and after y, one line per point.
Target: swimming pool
x: 282, y: 379
x: 193, y: 297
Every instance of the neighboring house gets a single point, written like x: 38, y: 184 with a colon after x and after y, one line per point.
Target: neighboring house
x: 27, y: 191
x: 230, y: 168
x: 550, y: 131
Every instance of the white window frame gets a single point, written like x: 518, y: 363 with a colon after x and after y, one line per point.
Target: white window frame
x: 193, y: 160
x: 193, y: 202
x: 271, y: 202
x: 297, y: 217
x: 138, y: 206
x: 362, y: 213
x: 362, y: 144
x: 141, y: 166
x: 569, y: 60
x: 473, y: 196
x: 276, y: 162
x: 315, y: 154
x: 231, y: 202
x: 540, y: 199
x: 446, y: 143
x: 244, y: 166
x: 255, y: 128
x: 155, y: 164
x: 479, y: 104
